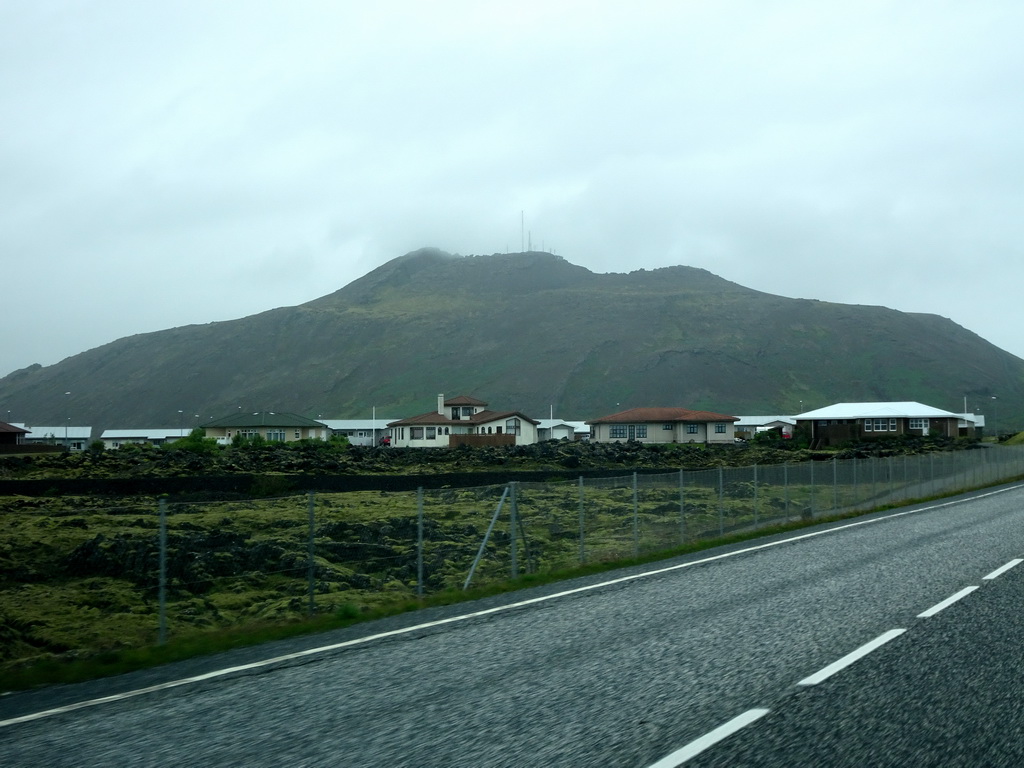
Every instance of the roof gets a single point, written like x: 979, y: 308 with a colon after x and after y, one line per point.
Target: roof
x: 465, y: 400
x: 263, y: 419
x: 433, y: 419
x: 760, y: 421
x: 578, y: 426
x: 901, y: 410
x: 5, y: 427
x: 661, y: 416
x: 336, y: 424
x: 40, y: 433
x: 146, y: 433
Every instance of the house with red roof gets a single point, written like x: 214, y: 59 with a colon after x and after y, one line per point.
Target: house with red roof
x: 463, y: 420
x: 664, y: 425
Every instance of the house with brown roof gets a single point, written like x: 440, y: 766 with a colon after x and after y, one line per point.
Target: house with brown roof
x: 463, y: 420
x: 664, y: 425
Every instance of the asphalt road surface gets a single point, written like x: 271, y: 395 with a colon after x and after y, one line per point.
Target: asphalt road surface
x: 860, y: 643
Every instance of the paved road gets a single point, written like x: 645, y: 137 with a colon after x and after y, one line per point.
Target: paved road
x: 620, y: 675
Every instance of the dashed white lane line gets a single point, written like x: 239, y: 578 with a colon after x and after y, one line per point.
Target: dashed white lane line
x: 1003, y: 569
x: 709, y: 739
x: 474, y: 614
x: 946, y: 603
x: 848, y: 659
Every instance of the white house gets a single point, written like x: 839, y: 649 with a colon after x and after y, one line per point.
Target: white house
x: 664, y: 425
x: 73, y: 438
x: 359, y: 431
x: 115, y: 438
x: 463, y: 420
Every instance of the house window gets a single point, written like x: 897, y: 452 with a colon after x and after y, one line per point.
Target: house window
x: 641, y: 431
x: 455, y: 413
x: 617, y: 431
x: 720, y: 429
x: 431, y: 433
x: 415, y: 433
x: 666, y: 427
x: 879, y: 425
x: 275, y: 434
x: 692, y: 429
x: 921, y: 424
x: 512, y: 426
x: 248, y: 434
x: 496, y: 429
x: 467, y: 411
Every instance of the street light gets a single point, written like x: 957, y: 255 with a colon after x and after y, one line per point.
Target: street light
x: 181, y: 424
x: 995, y: 432
x: 66, y: 422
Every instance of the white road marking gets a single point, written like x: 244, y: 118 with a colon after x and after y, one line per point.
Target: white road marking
x: 848, y: 659
x: 709, y: 739
x: 947, y: 602
x: 1000, y: 571
x: 475, y: 614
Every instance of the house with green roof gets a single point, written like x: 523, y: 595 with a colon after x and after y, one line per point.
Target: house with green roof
x: 270, y: 425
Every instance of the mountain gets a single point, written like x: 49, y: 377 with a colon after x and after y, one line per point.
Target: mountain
x: 526, y: 331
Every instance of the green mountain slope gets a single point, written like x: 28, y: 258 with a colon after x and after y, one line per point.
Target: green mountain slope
x: 525, y: 331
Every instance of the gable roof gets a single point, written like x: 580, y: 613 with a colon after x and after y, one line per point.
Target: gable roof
x: 434, y: 419
x: 465, y: 400
x: 661, y: 415
x: 263, y: 419
x: 5, y: 427
x: 898, y: 410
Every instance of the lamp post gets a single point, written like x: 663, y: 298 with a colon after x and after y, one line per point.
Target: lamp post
x: 181, y: 423
x: 995, y: 431
x: 67, y: 420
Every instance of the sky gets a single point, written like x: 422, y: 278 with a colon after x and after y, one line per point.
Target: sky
x: 184, y: 162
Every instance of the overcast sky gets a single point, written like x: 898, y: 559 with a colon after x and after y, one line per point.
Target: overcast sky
x: 163, y: 164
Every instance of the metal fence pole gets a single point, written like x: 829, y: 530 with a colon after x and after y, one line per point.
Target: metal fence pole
x: 835, y: 484
x: 583, y: 525
x: 514, y: 513
x: 311, y: 553
x: 682, y: 507
x: 162, y: 595
x: 419, y: 541
x: 721, y: 501
x: 636, y: 520
x: 785, y: 485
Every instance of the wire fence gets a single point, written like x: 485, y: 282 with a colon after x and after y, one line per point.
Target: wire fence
x: 137, y: 574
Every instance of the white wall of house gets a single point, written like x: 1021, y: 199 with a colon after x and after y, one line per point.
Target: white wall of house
x: 669, y: 432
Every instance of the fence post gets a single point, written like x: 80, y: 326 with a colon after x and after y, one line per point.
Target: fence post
x: 636, y: 520
x: 311, y: 553
x: 583, y: 524
x: 514, y: 514
x: 162, y: 596
x: 721, y: 501
x: 835, y: 484
x: 755, y: 496
x: 785, y: 485
x: 682, y: 508
x: 419, y: 541
x: 812, y: 488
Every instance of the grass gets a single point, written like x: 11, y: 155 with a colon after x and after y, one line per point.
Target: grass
x: 196, y: 641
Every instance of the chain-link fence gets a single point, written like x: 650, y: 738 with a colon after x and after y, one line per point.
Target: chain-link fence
x: 94, y: 577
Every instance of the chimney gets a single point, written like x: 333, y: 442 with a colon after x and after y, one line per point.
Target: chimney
x: 440, y: 404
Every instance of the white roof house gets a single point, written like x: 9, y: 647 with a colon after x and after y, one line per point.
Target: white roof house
x: 359, y: 431
x: 75, y: 438
x: 764, y: 423
x: 115, y: 438
x: 843, y: 422
x: 557, y: 429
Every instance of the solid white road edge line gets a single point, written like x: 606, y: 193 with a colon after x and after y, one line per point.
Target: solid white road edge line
x: 475, y: 614
x: 709, y: 739
x: 848, y: 659
x: 947, y: 602
x: 1003, y: 569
